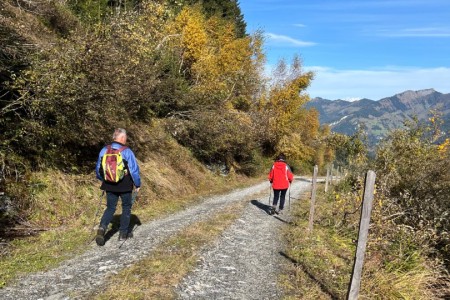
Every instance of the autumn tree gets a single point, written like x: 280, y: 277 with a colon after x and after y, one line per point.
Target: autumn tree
x: 223, y: 72
x: 228, y: 10
x: 290, y: 127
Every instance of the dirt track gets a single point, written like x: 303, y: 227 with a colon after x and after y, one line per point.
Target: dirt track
x: 237, y: 267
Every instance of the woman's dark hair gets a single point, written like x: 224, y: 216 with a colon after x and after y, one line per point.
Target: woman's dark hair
x: 281, y: 156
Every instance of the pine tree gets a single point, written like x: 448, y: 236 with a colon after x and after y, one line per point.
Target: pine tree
x: 225, y: 9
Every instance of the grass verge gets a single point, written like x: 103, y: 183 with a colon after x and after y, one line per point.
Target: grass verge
x: 156, y: 276
x: 320, y: 264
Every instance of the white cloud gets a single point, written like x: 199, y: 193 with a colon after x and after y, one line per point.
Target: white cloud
x: 284, y: 40
x: 376, y: 83
x: 416, y: 32
x: 299, y: 25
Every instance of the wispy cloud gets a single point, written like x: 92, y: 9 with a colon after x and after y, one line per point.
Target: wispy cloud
x: 376, y: 83
x: 416, y: 32
x: 299, y: 25
x: 283, y: 40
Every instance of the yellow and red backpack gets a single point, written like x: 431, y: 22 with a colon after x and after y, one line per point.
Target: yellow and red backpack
x: 113, y: 165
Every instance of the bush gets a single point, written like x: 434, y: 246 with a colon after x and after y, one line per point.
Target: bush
x: 414, y: 180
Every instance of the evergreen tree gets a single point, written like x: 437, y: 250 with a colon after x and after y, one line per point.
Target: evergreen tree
x: 225, y: 9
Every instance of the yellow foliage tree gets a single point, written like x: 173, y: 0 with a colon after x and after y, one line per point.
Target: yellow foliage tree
x: 291, y: 128
x: 190, y: 24
x: 220, y: 65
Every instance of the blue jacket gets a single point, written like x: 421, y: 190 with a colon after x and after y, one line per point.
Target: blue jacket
x: 130, y: 162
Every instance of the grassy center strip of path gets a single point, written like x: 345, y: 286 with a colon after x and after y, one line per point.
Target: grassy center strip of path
x: 46, y: 250
x: 156, y: 276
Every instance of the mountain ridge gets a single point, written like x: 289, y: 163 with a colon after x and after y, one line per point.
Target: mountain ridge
x: 381, y: 116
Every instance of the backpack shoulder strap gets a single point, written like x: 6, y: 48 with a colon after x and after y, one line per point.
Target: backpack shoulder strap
x: 122, y: 148
x: 109, y: 148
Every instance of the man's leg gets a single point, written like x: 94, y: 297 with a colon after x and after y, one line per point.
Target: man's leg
x: 126, y: 213
x: 282, y: 198
x: 111, y: 203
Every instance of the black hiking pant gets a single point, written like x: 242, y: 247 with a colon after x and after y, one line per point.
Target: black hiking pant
x: 279, y: 195
x: 111, y: 204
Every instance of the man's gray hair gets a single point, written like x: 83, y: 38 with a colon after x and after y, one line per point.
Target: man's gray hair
x: 118, y: 132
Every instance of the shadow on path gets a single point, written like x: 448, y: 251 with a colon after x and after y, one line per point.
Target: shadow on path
x: 262, y: 206
x: 322, y: 286
x: 284, y: 221
x: 134, y: 222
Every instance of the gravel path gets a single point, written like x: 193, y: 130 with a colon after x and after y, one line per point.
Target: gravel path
x: 77, y: 277
x: 244, y: 263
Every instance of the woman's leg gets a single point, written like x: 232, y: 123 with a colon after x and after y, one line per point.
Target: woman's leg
x: 276, y: 196
x: 282, y: 198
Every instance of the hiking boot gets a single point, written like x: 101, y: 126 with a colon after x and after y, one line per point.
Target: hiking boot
x: 100, y: 237
x: 280, y: 211
x: 123, y: 236
x: 272, y: 210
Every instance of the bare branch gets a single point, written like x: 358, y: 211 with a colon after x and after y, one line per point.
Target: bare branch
x: 165, y: 39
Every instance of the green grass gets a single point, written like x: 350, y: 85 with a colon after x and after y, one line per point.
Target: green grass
x: 41, y: 252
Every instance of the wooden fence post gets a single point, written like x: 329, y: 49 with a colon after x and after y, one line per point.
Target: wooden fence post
x: 355, y: 283
x: 313, y: 199
x: 327, y: 178
x: 331, y: 174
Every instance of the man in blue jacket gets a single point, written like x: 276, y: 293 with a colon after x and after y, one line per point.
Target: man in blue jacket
x: 123, y: 188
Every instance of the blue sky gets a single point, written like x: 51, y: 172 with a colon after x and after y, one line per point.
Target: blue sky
x: 359, y: 49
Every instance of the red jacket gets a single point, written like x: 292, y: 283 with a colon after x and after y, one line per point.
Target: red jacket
x: 280, y: 175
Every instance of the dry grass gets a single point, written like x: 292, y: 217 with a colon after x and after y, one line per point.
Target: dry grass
x: 156, y: 276
x: 66, y: 204
x: 322, y: 263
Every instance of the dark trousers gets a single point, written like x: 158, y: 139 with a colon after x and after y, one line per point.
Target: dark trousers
x: 111, y: 204
x: 281, y: 195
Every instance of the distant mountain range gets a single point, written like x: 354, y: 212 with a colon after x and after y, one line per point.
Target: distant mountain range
x: 379, y: 117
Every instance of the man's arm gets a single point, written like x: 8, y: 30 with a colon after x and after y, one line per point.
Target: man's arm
x: 133, y: 167
x: 98, y: 165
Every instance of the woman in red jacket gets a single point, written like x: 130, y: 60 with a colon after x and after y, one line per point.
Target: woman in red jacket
x: 280, y: 177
